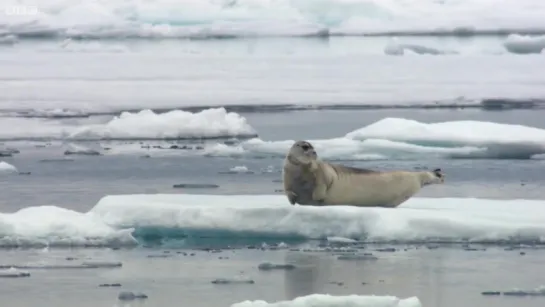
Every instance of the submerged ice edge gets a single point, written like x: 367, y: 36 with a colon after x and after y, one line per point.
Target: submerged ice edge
x: 239, y: 220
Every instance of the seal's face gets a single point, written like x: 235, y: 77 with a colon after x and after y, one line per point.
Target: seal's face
x: 439, y: 176
x: 302, y: 153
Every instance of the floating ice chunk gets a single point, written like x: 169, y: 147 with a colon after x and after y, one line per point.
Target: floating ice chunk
x: 143, y: 125
x: 102, y: 264
x: 396, y: 48
x: 13, y: 273
x: 50, y: 113
x: 238, y: 170
x: 6, y: 168
x: 480, y: 139
x: 341, y: 240
x: 386, y: 249
x: 524, y: 44
x: 74, y: 149
x: 398, y: 138
x: 365, y: 256
x: 539, y: 291
x: 491, y: 293
x: 326, y: 300
x: 110, y: 285
x: 417, y: 220
x: 267, y: 266
x: 8, y: 152
x: 195, y: 186
x: 210, y: 123
x: 226, y: 281
x: 54, y: 226
x: 129, y: 296
x: 62, y: 266
x: 8, y: 39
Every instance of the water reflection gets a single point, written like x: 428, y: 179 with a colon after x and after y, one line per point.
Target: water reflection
x: 403, y: 274
x: 311, y: 274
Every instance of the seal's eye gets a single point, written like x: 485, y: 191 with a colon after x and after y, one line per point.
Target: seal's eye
x: 305, y: 147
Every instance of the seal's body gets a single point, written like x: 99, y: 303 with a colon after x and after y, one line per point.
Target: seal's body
x: 310, y: 181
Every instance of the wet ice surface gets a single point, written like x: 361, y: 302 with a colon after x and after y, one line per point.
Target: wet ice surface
x: 437, y: 275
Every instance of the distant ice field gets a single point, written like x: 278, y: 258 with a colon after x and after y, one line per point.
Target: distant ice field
x: 227, y: 19
x: 74, y: 78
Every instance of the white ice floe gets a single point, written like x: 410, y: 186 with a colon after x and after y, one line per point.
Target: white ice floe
x: 326, y: 300
x: 50, y: 225
x: 388, y: 138
x: 74, y: 149
x: 420, y: 219
x: 524, y: 44
x: 399, y: 138
x: 118, y: 220
x: 177, y: 124
x: 13, y: 273
x: 6, y: 168
x: 394, y: 47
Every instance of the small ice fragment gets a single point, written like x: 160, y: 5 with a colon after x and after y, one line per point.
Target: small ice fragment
x: 340, y: 240
x: 267, y: 266
x: 160, y: 256
x: 6, y: 168
x: 101, y: 264
x: 357, y: 257
x: 13, y: 273
x: 129, y: 296
x: 195, y: 186
x: 386, y: 249
x: 225, y: 281
x: 110, y: 285
x: 491, y: 293
x: 88, y: 152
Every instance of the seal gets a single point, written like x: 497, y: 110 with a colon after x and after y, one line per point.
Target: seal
x: 311, y: 181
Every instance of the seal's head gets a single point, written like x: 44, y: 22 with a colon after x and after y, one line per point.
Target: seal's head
x: 302, y: 153
x: 439, y: 176
x: 434, y: 177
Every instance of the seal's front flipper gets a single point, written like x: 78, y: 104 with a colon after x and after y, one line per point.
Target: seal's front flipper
x: 320, y: 189
x: 292, y: 197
